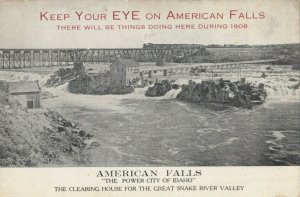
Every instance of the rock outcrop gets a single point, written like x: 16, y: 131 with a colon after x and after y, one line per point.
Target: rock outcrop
x: 159, y: 89
x: 239, y: 94
x: 296, y: 67
x: 37, y: 137
x: 295, y: 87
x: 64, y: 75
x: 98, y: 84
x: 88, y: 84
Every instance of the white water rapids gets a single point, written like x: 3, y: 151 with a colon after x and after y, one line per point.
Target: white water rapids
x: 135, y: 130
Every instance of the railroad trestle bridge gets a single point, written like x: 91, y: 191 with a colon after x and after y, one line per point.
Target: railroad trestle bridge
x: 21, y: 58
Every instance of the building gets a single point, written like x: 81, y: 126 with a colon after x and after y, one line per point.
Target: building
x: 124, y: 72
x: 28, y: 93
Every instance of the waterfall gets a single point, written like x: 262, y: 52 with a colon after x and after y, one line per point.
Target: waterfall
x: 283, y: 93
x: 172, y: 94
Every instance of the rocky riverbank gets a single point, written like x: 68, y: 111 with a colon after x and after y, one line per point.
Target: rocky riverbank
x: 38, y: 137
x: 238, y: 94
x: 63, y: 75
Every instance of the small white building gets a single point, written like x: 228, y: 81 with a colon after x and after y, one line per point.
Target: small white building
x: 27, y: 93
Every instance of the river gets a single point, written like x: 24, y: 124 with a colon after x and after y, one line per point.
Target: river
x: 134, y: 130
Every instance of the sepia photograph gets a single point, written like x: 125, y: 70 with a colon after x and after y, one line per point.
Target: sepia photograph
x: 196, y: 89
x: 163, y: 98
x: 157, y: 105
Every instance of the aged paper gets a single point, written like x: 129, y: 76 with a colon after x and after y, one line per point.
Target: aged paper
x: 149, y: 98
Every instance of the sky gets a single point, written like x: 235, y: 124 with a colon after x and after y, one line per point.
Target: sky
x: 21, y: 25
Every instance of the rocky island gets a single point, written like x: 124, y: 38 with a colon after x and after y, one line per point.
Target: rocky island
x: 238, y: 94
x: 120, y: 79
x: 159, y: 89
x: 99, y: 84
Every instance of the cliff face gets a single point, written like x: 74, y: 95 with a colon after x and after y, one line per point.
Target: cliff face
x: 237, y: 94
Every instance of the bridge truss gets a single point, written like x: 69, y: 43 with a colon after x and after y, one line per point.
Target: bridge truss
x: 21, y: 58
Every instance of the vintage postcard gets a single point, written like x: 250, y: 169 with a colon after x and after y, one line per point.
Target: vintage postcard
x: 149, y: 98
